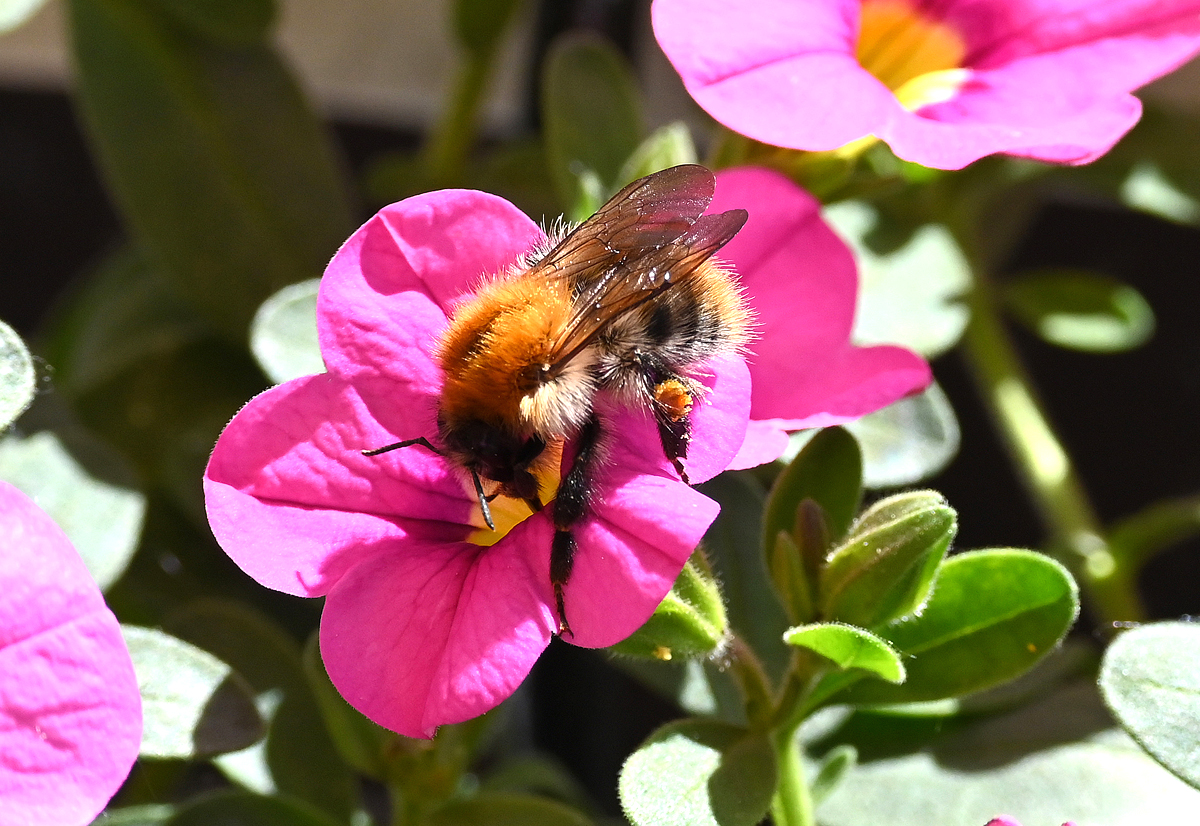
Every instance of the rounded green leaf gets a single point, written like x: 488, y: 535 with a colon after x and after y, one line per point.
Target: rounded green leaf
x: 849, y: 648
x: 18, y: 379
x: 1150, y: 679
x: 493, y: 809
x: 193, y: 705
x: 912, y: 295
x: 991, y: 616
x: 283, y: 335
x: 248, y: 809
x: 1054, y: 761
x: 907, y: 441
x: 886, y: 564
x: 102, y: 518
x: 592, y: 116
x: 667, y: 146
x: 697, y: 773
x: 1081, y: 310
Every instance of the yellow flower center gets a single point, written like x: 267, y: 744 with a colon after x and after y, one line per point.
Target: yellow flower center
x: 919, y: 59
x: 508, y: 512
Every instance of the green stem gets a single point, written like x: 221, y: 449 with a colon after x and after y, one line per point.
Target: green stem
x: 445, y: 152
x: 792, y: 804
x: 1076, y: 537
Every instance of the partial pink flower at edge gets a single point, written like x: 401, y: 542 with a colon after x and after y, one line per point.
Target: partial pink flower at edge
x: 802, y: 283
x: 422, y: 627
x: 70, y: 712
x: 1005, y: 820
x: 943, y: 84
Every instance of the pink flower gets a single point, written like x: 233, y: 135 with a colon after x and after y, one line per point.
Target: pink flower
x: 1005, y: 820
x: 70, y: 713
x: 943, y: 83
x: 801, y: 281
x: 422, y: 625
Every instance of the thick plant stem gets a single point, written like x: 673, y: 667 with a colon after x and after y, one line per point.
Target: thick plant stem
x: 445, y: 152
x: 1076, y: 538
x: 793, y: 804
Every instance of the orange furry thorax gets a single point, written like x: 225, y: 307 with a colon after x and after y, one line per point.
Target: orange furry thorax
x: 496, y: 341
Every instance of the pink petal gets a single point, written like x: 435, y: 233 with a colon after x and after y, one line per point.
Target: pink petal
x: 385, y: 296
x: 801, y: 282
x: 765, y: 442
x: 70, y: 713
x: 290, y: 496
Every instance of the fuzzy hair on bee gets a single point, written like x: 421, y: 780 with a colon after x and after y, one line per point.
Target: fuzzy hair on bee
x: 626, y: 304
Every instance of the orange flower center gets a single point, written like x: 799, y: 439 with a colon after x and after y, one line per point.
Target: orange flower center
x: 919, y: 59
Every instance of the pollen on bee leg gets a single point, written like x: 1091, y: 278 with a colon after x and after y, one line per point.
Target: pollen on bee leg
x: 674, y: 398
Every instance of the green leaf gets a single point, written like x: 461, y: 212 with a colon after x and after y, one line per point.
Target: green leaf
x: 793, y: 584
x: 248, y: 809
x: 732, y: 543
x: 699, y: 772
x: 592, y: 116
x: 828, y: 470
x: 1081, y: 310
x: 361, y: 742
x: 231, y: 22
x: 1150, y: 680
x: 667, y: 146
x: 15, y: 12
x: 1136, y: 538
x: 124, y: 311
x: 283, y: 335
x: 885, y: 566
x: 150, y: 814
x: 991, y: 616
x: 297, y: 756
x: 849, y: 648
x: 1053, y: 761
x: 18, y: 379
x: 102, y: 518
x: 224, y: 174
x: 193, y: 705
x: 911, y: 296
x: 480, y: 24
x: 907, y: 441
x: 834, y: 767
x: 497, y: 809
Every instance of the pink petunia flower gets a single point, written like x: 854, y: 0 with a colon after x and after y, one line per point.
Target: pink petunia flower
x: 1005, y: 820
x: 943, y: 83
x: 70, y: 712
x: 802, y: 284
x: 429, y: 617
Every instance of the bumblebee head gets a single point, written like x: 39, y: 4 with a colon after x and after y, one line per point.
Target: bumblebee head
x: 495, y: 453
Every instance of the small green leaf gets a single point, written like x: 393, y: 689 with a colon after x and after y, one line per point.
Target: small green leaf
x: 690, y: 621
x: 231, y: 22
x: 1150, y: 680
x: 1081, y: 310
x: 912, y: 295
x: 248, y: 809
x: 150, y: 814
x: 885, y: 566
x: 828, y: 470
x: 283, y: 335
x: 667, y: 146
x: 18, y: 379
x: 592, y: 116
x: 193, y: 705
x: 792, y: 582
x: 699, y: 772
x: 15, y: 12
x: 360, y: 742
x: 849, y: 648
x: 907, y: 441
x: 497, y: 809
x: 991, y: 616
x: 223, y: 172
x: 102, y: 518
x: 835, y: 766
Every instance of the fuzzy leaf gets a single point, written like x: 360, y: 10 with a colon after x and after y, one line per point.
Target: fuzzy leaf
x: 18, y: 380
x: 283, y: 335
x: 1081, y: 310
x: 848, y: 648
x: 909, y: 441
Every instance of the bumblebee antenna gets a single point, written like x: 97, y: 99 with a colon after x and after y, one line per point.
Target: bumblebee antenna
x: 423, y: 442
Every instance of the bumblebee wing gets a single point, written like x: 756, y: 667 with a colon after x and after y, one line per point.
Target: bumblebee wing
x: 633, y: 280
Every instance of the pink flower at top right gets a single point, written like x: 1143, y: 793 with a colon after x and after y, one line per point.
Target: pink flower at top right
x: 943, y: 82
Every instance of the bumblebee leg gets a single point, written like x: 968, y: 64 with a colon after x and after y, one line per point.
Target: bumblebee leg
x: 570, y: 506
x: 672, y: 403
